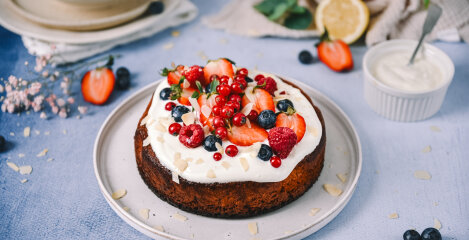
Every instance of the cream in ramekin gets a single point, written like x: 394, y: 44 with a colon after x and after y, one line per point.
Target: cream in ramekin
x: 406, y: 93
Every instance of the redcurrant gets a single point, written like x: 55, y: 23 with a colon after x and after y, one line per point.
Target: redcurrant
x: 174, y: 129
x: 221, y: 132
x: 227, y: 112
x: 169, y: 106
x: 218, y: 121
x: 231, y: 150
x: 275, y: 161
x: 217, y: 156
x: 239, y: 119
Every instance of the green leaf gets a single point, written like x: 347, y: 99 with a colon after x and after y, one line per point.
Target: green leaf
x: 259, y: 86
x: 278, y: 12
x: 181, y: 80
x: 426, y: 3
x: 213, y: 86
x: 195, y: 94
x: 299, y: 21
x: 297, y: 9
x: 110, y: 61
x: 164, y: 72
x: 266, y: 7
x: 199, y: 86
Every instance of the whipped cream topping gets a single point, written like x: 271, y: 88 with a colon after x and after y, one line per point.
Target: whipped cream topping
x: 245, y: 166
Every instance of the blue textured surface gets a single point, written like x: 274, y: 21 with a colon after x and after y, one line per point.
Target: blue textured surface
x: 62, y: 200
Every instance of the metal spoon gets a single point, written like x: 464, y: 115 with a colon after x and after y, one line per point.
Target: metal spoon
x: 434, y: 13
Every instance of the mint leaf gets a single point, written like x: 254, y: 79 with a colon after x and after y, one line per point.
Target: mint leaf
x: 426, y: 3
x: 297, y: 9
x: 267, y: 7
x: 164, y: 72
x: 299, y: 21
x: 278, y: 12
x: 195, y: 94
x: 199, y: 86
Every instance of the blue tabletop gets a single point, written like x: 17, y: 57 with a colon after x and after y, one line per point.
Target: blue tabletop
x: 61, y: 198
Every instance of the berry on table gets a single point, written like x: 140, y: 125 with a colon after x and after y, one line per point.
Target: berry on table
x: 209, y: 143
x: 217, y: 156
x: 174, y: 129
x: 165, y: 93
x: 305, y: 57
x: 265, y: 152
x: 283, y: 105
x: 227, y: 111
x: 239, y: 119
x: 97, y: 85
x: 231, y: 150
x: 270, y: 84
x: 431, y: 234
x: 253, y: 115
x: 242, y: 71
x: 169, y: 106
x: 218, y: 121
x: 178, y: 111
x: 282, y: 140
x: 266, y: 119
x: 221, y: 132
x: 122, y: 78
x: 191, y: 135
x: 156, y: 7
x: 2, y: 143
x: 411, y: 235
x: 275, y: 161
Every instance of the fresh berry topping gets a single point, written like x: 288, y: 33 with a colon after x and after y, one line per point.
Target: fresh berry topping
x: 268, y: 84
x: 218, y: 121
x: 231, y: 150
x: 221, y: 132
x: 2, y: 143
x: 237, y: 87
x: 275, y: 162
x: 235, y: 98
x: 227, y: 112
x: 218, y: 67
x: 169, y: 106
x: 184, y: 96
x: 431, y: 234
x: 193, y: 74
x: 234, y: 105
x: 262, y: 100
x: 191, y: 135
x: 214, y: 77
x: 305, y: 57
x: 242, y: 81
x: 242, y: 71
x: 248, y: 79
x: 122, y: 78
x: 209, y: 143
x: 265, y: 152
x: 217, y: 156
x: 224, y: 90
x: 208, y: 89
x: 282, y: 93
x: 295, y: 122
x: 174, y: 75
x: 178, y: 111
x: 282, y: 140
x: 224, y: 79
x: 283, y: 105
x: 266, y: 119
x: 97, y: 85
x: 253, y: 116
x: 258, y: 77
x: 246, y: 136
x: 216, y: 110
x: 165, y: 93
x: 220, y: 100
x: 174, y: 129
x: 239, y: 119
x: 411, y: 235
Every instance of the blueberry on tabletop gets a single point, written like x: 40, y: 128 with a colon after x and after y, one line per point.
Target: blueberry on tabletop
x: 2, y: 143
x: 305, y: 57
x: 431, y: 234
x: 209, y: 143
x: 266, y: 119
x: 165, y: 93
x: 265, y: 152
x: 156, y: 7
x: 411, y: 235
x: 283, y: 105
x: 122, y: 71
x: 178, y: 111
x: 122, y: 78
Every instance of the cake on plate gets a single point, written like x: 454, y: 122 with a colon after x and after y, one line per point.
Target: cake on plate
x: 223, y: 141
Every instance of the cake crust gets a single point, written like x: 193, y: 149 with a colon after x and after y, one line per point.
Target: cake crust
x: 233, y: 199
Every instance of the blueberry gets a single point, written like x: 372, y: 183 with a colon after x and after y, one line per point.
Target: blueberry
x: 178, y: 111
x: 156, y: 7
x: 411, y: 235
x: 248, y: 79
x: 305, y: 57
x: 265, y: 152
x: 165, y: 93
x: 209, y: 143
x: 267, y: 119
x: 122, y: 78
x: 2, y: 143
x: 431, y: 234
x: 207, y: 88
x: 283, y: 105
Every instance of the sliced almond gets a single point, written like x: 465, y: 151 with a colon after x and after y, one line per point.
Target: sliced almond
x: 219, y: 148
x: 199, y: 161
x: 313, y: 131
x: 422, y: 174
x: 126, y: 209
x: 24, y: 170
x: 186, y: 84
x: 175, y: 177
x: 179, y: 217
x: 244, y: 163
x: 252, y: 227
x: 13, y: 166
x: 314, y: 211
x: 160, y: 139
x: 206, y: 111
x: 64, y: 132
x: 189, y: 159
x: 393, y: 216
x: 168, y: 46
x: 427, y: 149
x: 435, y: 128
x: 50, y: 159
x: 159, y: 228
x: 177, y: 156
x: 175, y: 33
x: 230, y: 81
x: 146, y: 141
x: 247, y: 109
x: 206, y: 130
x: 24, y: 180
x: 144, y: 213
x: 226, y: 165
x: 248, y: 123
x: 26, y: 131
x: 342, y: 177
x: 332, y: 190
x: 188, y: 118
x: 194, y: 104
x: 21, y: 155
x: 37, y: 132
x: 165, y: 121
x: 160, y: 127
x: 211, y: 174
x: 119, y: 194
x: 180, y: 164
x: 436, y: 223
x: 144, y: 120
x: 42, y: 153
x: 249, y: 95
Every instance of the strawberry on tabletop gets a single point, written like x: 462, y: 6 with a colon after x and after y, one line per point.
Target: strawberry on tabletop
x: 335, y: 54
x: 97, y: 85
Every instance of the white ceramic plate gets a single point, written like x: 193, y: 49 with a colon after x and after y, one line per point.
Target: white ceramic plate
x: 116, y: 168
x: 17, y: 24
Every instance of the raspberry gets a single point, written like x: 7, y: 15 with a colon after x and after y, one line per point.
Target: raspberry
x: 282, y: 140
x: 270, y: 84
x: 193, y: 74
x: 191, y: 135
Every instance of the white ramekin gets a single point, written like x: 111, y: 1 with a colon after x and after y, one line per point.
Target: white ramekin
x: 400, y: 105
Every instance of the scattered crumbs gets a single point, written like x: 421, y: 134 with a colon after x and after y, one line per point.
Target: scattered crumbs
x: 192, y: 236
x: 42, y: 153
x: 377, y: 171
x: 12, y: 134
x: 435, y: 129
x: 144, y: 213
x: 64, y: 132
x: 346, y: 153
x: 422, y: 174
x: 24, y: 180
x: 393, y: 216
x: 332, y: 190
x: 47, y: 133
x: 175, y: 33
x: 21, y: 155
x: 223, y: 41
x: 180, y: 164
x: 26, y: 169
x: 435, y: 204
x: 288, y: 232
x: 211, y: 174
x: 27, y: 131
x: 314, y: 211
x: 427, y: 149
x: 202, y: 55
x: 436, y: 223
x: 175, y: 177
x: 37, y: 132
x: 119, y: 194
x: 199, y: 161
x: 146, y: 141
x: 168, y: 46
x: 13, y: 166
x: 252, y: 227
x: 50, y: 159
x: 342, y: 177
x: 179, y: 217
x: 244, y: 164
x: 126, y: 209
x: 159, y: 228
x: 313, y: 131
x: 226, y: 165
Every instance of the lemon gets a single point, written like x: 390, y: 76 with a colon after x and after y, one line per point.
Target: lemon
x: 344, y: 19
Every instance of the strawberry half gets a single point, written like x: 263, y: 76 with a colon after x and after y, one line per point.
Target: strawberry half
x: 245, y: 136
x: 218, y: 67
x: 335, y: 54
x: 97, y: 85
x: 295, y: 122
x: 185, y: 95
x: 262, y: 100
x: 174, y: 75
x: 210, y: 102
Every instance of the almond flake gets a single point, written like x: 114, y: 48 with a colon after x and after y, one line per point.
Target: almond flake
x: 249, y: 95
x: 252, y: 227
x: 230, y: 81
x: 332, y: 190
x: 226, y: 165
x: 13, y: 166
x: 175, y: 177
x: 186, y: 84
x: 160, y: 139
x: 188, y: 118
x: 126, y: 209
x: 119, y: 194
x: 313, y: 131
x: 244, y: 164
x: 211, y: 174
x: 421, y: 174
x: 165, y: 121
x: 64, y: 132
x: 26, y: 131
x: 189, y: 159
x: 37, y: 132
x: 160, y: 127
x: 393, y: 216
x: 179, y: 217
x: 159, y: 228
x: 47, y: 133
x: 247, y: 109
x: 144, y: 120
x: 248, y: 123
x: 219, y: 147
x: 342, y: 177
x: 206, y: 130
x: 427, y: 149
x: 177, y: 156
x: 202, y: 55
x: 42, y: 153
x: 146, y: 142
x: 199, y: 161
x: 194, y: 104
x: 180, y: 164
x: 168, y: 46
x: 24, y: 170
x: 435, y: 204
x: 206, y: 111
x: 175, y: 33
x: 21, y: 155
x: 314, y: 211
x: 436, y: 223
x: 24, y: 180
x: 12, y: 134
x: 144, y: 213
x: 50, y: 159
x: 435, y: 128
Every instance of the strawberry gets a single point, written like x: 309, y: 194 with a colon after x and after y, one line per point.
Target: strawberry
x: 245, y: 136
x: 210, y: 102
x: 218, y: 67
x: 268, y: 84
x: 174, y: 75
x: 194, y: 74
x: 185, y: 95
x: 263, y: 100
x: 335, y: 54
x: 282, y: 140
x: 295, y: 122
x: 97, y: 85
